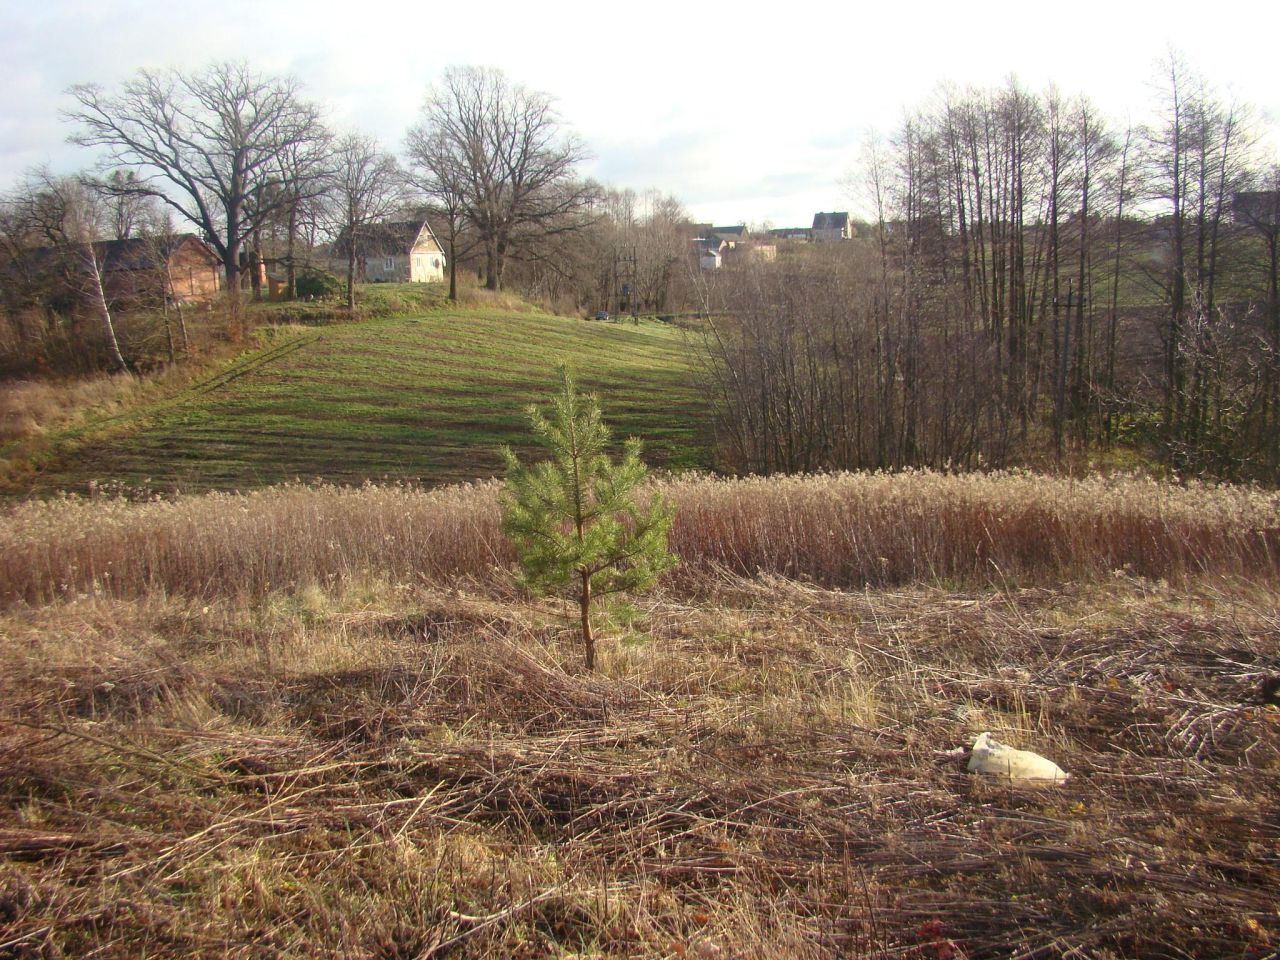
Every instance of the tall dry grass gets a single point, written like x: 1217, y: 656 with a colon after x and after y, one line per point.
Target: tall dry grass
x: 850, y: 529
x: 839, y: 530
x: 31, y: 407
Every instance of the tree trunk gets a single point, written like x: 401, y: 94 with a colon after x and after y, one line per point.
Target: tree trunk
x: 168, y: 329
x: 231, y: 266
x: 182, y: 329
x: 351, y: 279
x: 453, y: 270
x: 100, y: 302
x: 291, y: 269
x: 255, y: 264
x: 491, y: 267
x: 588, y: 639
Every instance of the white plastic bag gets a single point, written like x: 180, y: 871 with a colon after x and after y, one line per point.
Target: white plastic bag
x: 993, y: 757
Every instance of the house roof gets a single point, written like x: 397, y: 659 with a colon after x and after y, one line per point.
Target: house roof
x: 134, y: 253
x: 142, y: 253
x: 831, y: 221
x: 395, y: 238
x: 731, y: 233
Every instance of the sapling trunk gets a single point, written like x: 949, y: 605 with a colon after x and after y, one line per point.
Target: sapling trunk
x: 588, y: 639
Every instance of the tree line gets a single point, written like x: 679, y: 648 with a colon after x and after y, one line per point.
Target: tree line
x: 246, y: 161
x: 1036, y: 283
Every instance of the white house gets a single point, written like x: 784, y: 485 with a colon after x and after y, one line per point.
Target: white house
x: 710, y: 253
x: 402, y: 252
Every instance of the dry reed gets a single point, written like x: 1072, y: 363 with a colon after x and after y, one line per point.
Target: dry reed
x: 849, y: 530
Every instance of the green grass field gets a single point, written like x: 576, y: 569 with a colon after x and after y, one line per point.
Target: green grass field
x: 429, y: 398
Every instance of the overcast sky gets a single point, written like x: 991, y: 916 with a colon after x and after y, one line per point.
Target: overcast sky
x: 747, y: 112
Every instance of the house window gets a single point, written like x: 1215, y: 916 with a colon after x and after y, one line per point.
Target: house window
x: 391, y: 263
x: 435, y: 263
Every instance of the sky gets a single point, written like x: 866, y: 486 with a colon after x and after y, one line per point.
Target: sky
x: 747, y: 112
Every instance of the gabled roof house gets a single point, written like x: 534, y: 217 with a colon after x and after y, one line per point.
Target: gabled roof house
x: 404, y: 251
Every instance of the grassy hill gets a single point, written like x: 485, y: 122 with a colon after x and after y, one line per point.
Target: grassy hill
x: 427, y: 398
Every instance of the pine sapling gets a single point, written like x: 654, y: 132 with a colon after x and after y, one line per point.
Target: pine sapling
x: 575, y: 520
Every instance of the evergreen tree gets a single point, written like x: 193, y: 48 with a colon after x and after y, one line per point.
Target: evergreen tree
x: 574, y: 519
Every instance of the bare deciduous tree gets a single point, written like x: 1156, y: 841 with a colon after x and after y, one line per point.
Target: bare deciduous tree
x: 366, y: 186
x: 209, y: 144
x: 504, y: 151
x: 64, y: 215
x: 442, y: 179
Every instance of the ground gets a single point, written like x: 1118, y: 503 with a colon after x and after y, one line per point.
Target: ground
x: 765, y: 770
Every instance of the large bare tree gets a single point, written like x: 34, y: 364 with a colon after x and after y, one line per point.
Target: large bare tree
x: 210, y: 144
x: 504, y: 149
x: 442, y: 179
x: 366, y: 187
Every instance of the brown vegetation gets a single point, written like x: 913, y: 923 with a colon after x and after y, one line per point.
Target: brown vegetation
x: 845, y: 530
x: 409, y: 771
x: 319, y: 722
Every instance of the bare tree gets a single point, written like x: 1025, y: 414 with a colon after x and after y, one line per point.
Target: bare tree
x: 365, y: 187
x: 439, y: 175
x: 64, y: 215
x: 502, y: 146
x: 208, y: 144
x: 128, y: 208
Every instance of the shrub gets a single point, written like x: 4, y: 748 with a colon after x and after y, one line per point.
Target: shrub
x: 318, y: 285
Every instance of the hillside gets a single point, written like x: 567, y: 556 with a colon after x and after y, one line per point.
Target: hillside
x: 427, y: 398
x: 318, y: 722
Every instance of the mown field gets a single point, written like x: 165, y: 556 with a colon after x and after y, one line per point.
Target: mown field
x: 428, y: 398
x: 320, y: 722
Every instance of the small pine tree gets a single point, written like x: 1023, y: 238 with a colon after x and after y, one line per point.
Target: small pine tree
x: 574, y: 519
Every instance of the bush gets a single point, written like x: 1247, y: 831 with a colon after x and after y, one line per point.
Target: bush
x: 317, y: 285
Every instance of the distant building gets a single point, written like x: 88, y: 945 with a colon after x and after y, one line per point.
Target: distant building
x: 136, y: 270
x: 710, y: 252
x: 832, y: 226
x: 731, y: 236
x: 794, y: 234
x: 400, y: 252
x: 130, y: 267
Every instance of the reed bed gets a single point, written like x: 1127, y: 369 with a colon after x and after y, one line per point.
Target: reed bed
x: 845, y: 530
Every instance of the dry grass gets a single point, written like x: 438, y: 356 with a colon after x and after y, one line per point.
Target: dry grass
x: 847, y: 530
x: 29, y: 408
x: 405, y: 771
x: 317, y: 722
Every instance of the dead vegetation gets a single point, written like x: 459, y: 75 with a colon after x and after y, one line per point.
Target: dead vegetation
x: 415, y: 771
x: 315, y: 722
x: 843, y: 530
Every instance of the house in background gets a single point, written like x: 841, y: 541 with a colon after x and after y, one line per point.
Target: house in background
x: 731, y: 236
x: 794, y: 234
x: 133, y: 269
x: 401, y: 252
x: 710, y: 252
x: 832, y: 226
x: 138, y: 270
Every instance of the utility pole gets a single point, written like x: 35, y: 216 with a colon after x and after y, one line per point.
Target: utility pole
x: 1060, y: 391
x: 625, y: 272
